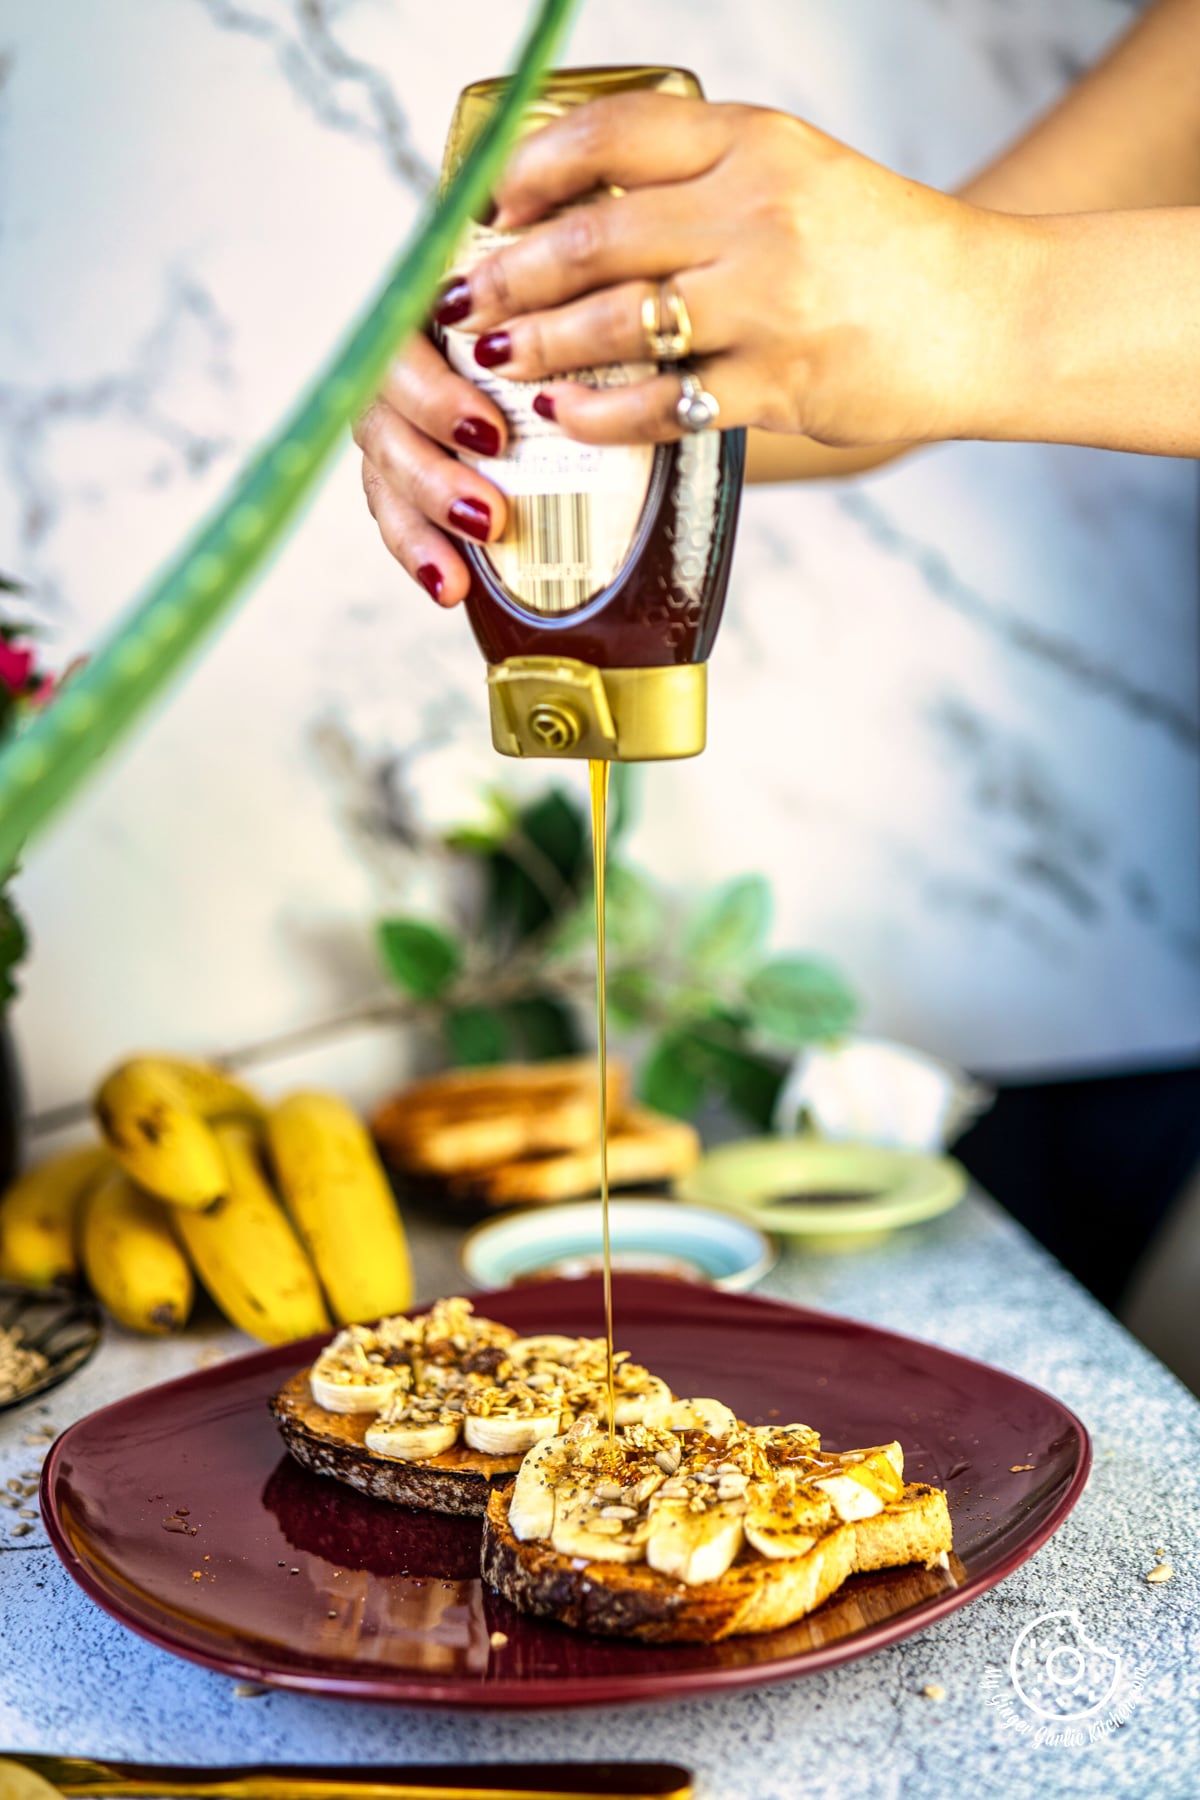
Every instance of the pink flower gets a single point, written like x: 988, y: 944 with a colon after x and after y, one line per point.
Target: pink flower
x: 16, y: 666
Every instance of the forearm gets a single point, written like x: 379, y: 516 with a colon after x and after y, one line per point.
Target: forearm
x: 1126, y: 135
x: 1105, y: 342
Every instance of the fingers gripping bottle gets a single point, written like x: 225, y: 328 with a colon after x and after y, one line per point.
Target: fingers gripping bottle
x: 597, y: 609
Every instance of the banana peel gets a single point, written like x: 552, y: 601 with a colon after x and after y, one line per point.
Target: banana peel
x: 156, y: 1115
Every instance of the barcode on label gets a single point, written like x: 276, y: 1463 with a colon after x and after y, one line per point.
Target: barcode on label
x: 554, y: 550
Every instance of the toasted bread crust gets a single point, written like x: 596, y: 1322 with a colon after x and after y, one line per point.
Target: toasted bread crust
x: 756, y: 1594
x: 471, y: 1119
x: 457, y: 1481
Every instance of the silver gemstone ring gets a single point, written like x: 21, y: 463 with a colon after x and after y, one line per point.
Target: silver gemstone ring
x: 697, y: 409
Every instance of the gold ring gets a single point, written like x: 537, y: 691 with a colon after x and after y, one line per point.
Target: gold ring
x: 671, y: 342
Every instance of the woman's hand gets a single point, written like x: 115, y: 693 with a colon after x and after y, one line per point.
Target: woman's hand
x: 421, y: 497
x: 828, y: 296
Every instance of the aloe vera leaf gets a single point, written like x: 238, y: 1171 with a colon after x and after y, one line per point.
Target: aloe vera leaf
x: 42, y: 768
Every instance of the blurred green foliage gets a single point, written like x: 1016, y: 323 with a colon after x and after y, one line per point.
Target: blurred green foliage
x: 714, y: 1014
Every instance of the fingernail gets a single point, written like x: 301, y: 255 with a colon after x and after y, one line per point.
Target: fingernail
x: 493, y: 348
x: 454, y: 303
x: 543, y: 405
x: 430, y: 578
x: 477, y: 435
x: 473, y: 517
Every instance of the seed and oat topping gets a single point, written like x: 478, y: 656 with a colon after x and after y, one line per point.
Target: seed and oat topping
x: 692, y: 1489
x: 20, y: 1364
x: 427, y: 1381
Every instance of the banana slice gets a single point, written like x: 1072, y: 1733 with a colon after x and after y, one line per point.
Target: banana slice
x: 345, y: 1379
x: 639, y: 1396
x: 498, y: 1435
x: 552, y: 1348
x: 339, y: 1393
x: 510, y: 1418
x: 785, y: 1519
x: 868, y: 1479
x: 584, y: 1525
x: 410, y: 1443
x: 694, y: 1546
x: 418, y: 1427
x: 531, y: 1509
x: 786, y: 1443
x: 710, y: 1416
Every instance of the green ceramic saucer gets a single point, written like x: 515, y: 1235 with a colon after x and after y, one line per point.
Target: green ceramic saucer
x: 834, y: 1196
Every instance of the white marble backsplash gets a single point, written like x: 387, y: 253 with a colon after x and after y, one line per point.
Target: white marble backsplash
x: 954, y: 711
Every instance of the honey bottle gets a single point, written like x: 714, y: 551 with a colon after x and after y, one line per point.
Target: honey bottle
x: 597, y: 608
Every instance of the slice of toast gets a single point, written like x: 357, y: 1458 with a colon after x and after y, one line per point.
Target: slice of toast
x: 456, y: 1481
x: 754, y: 1594
x: 644, y: 1148
x: 470, y: 1119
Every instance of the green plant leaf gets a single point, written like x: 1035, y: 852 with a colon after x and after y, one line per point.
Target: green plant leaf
x: 420, y: 958
x: 544, y: 1027
x: 748, y: 1080
x: 672, y: 1078
x: 633, y: 912
x: 72, y: 735
x: 624, y: 799
x: 633, y: 918
x: 557, y: 828
x: 484, y: 835
x: 14, y: 942
x: 632, y: 994
x: 730, y: 924
x: 475, y: 1034
x: 799, y: 1000
x: 537, y: 873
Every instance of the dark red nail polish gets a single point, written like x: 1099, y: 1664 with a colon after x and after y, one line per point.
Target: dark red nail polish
x: 473, y: 517
x: 478, y: 436
x: 543, y: 405
x: 454, y: 303
x: 493, y: 348
x: 430, y: 578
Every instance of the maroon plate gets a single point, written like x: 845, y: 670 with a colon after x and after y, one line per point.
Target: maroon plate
x: 181, y: 1514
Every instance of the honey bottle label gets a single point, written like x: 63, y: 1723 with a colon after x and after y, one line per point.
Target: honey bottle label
x: 573, y: 509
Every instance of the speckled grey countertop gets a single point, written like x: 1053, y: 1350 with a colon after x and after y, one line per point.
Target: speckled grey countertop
x: 71, y: 1680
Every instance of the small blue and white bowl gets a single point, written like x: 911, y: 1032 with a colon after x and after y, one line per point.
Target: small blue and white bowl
x: 648, y: 1237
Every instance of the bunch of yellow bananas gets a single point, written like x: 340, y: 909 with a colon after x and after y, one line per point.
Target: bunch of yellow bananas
x: 283, y: 1212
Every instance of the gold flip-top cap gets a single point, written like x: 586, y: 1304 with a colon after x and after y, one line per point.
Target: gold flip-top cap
x: 555, y: 706
x: 561, y: 90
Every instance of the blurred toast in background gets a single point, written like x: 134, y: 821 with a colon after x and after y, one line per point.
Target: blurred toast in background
x: 517, y: 1134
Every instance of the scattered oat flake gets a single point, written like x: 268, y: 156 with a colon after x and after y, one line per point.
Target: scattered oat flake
x: 247, y: 1690
x: 1019, y: 1468
x: 27, y: 1512
x: 933, y: 1690
x: 22, y: 1530
x: 498, y: 1640
x: 1160, y: 1573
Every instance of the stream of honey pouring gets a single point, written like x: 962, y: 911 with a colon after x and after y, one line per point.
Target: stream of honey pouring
x: 598, y: 774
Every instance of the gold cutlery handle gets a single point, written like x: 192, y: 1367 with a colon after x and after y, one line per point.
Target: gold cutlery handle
x: 436, y: 1781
